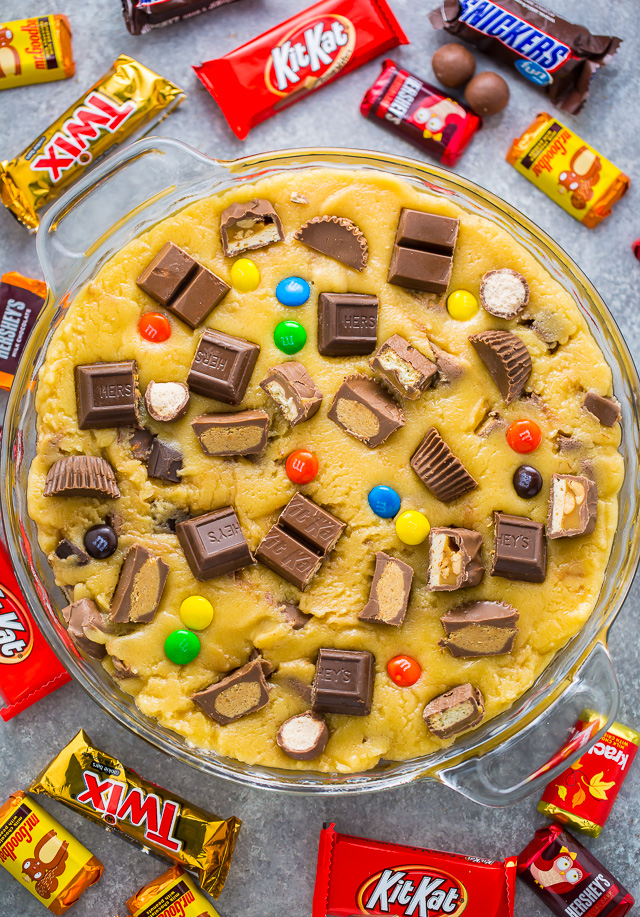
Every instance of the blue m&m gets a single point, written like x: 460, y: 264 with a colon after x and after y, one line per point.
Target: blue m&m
x: 384, y: 501
x: 293, y: 291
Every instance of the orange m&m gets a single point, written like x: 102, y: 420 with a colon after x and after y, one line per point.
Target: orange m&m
x: 403, y: 671
x: 154, y: 327
x: 524, y: 435
x: 301, y: 466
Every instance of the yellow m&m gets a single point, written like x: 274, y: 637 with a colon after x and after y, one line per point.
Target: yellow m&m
x: 412, y: 526
x: 245, y: 276
x: 196, y: 612
x: 462, y: 305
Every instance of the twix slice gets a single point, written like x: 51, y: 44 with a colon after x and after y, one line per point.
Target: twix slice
x: 35, y: 50
x: 172, y: 893
x: 43, y: 856
x: 102, y: 789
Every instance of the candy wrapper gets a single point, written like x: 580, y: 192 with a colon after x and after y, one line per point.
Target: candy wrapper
x: 141, y: 16
x: 126, y: 101
x: 42, y: 856
x: 356, y: 875
x: 297, y: 57
x: 102, y: 789
x: 35, y: 50
x: 172, y: 893
x: 21, y: 301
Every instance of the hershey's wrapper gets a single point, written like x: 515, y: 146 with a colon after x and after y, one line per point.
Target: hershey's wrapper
x: 21, y: 301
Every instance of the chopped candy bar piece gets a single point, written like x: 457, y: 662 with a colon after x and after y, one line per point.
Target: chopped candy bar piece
x: 454, y: 711
x: 164, y: 462
x: 507, y: 359
x: 214, y: 544
x: 293, y: 391
x: 403, y: 367
x: 244, y: 433
x: 606, y: 409
x: 520, y: 550
x: 83, y: 620
x: 365, y: 410
x: 303, y: 737
x: 390, y: 589
x: 81, y: 476
x: 312, y: 524
x: 480, y: 629
x: 290, y: 611
x: 140, y: 442
x: 343, y: 682
x: 166, y: 401
x: 440, y: 470
x: 140, y: 586
x: 336, y: 237
x: 238, y: 694
x: 245, y: 227
x: 347, y: 324
x: 67, y: 550
x: 573, y: 506
x: 504, y: 293
x: 455, y: 559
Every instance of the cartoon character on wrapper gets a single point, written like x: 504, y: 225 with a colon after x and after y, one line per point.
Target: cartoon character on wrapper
x: 438, y: 118
x: 557, y: 870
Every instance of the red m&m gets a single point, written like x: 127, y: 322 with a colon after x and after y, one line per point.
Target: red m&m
x: 403, y: 671
x: 154, y: 327
x: 301, y: 466
x: 524, y: 435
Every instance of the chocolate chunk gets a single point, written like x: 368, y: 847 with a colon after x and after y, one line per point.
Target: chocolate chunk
x: 520, y: 550
x: 267, y: 668
x: 199, y: 297
x: 455, y: 711
x: 140, y: 586
x: 504, y: 293
x: 427, y: 232
x: 420, y: 270
x: 480, y: 629
x: 390, y: 590
x: 81, y: 476
x: 293, y: 391
x: 573, y: 506
x: 303, y: 737
x: 343, y: 682
x: 213, y: 544
x: 244, y: 433
x: 489, y: 424
x: 507, y: 359
x: 238, y: 694
x: 290, y: 611
x: 450, y: 368
x: 606, y: 409
x: 347, y: 324
x: 403, y: 367
x: 120, y: 670
x: 164, y: 462
x: 83, y: 620
x: 141, y: 441
x: 67, y: 550
x: 312, y: 524
x: 288, y: 557
x: 100, y: 541
x: 455, y: 559
x: 245, y: 227
x: 166, y: 401
x: 440, y: 470
x: 365, y: 410
x: 222, y: 366
x: 336, y: 237
x: 107, y: 395
x: 297, y: 198
x: 165, y: 515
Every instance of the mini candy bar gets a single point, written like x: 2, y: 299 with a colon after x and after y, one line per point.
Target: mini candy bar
x: 480, y: 629
x: 141, y: 16
x: 246, y: 227
x: 36, y: 50
x: 604, y: 408
x: 347, y: 324
x: 425, y: 116
x: 48, y: 861
x: 504, y: 293
x: 439, y: 469
x: 289, y: 558
x: 164, y: 462
x: 101, y: 788
x: 336, y: 237
x: 573, y: 506
x: 81, y: 476
x: 107, y: 395
x: 569, y: 171
x: 126, y: 101
x: 569, y: 879
x: 244, y: 433
x: 366, y: 410
x: 238, y: 694
x: 404, y: 368
x: 140, y: 586
x: 166, y: 401
x: 222, y: 366
x: 520, y: 549
x: 550, y: 52
x: 293, y: 391
x: 357, y: 875
x: 390, y: 589
x: 297, y: 57
x: 21, y: 301
x: 29, y: 669
x: 507, y: 359
x: 173, y: 889
x: 83, y: 621
x: 343, y: 682
x: 584, y: 794
x: 312, y: 524
x: 455, y: 559
x: 303, y: 737
x: 213, y: 544
x: 455, y: 711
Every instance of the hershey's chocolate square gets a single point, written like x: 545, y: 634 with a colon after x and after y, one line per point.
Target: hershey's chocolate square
x: 214, y: 544
x: 347, y: 324
x: 343, y: 682
x: 222, y: 366
x: 311, y: 523
x: 107, y: 395
x: 520, y: 551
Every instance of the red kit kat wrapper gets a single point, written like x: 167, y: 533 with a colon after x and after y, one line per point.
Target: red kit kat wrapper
x: 297, y: 57
x: 29, y: 669
x: 359, y: 876
x: 422, y: 114
x: 569, y: 879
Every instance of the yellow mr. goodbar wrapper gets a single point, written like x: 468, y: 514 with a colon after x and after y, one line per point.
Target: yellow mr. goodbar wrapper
x: 126, y: 101
x: 101, y: 788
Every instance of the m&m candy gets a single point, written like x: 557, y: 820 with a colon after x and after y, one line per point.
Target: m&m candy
x: 524, y: 435
x: 403, y: 671
x: 293, y: 291
x: 196, y: 612
x: 412, y: 527
x: 289, y: 337
x: 154, y: 327
x: 245, y: 276
x: 181, y: 646
x: 527, y: 482
x: 384, y: 501
x: 462, y: 305
x: 301, y: 466
x: 100, y: 541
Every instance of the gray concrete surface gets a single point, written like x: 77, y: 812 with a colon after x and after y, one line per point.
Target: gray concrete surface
x: 273, y: 871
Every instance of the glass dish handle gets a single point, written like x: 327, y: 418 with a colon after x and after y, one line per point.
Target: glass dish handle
x: 133, y: 182
x: 531, y: 757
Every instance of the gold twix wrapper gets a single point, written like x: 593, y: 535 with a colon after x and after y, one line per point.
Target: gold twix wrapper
x: 103, y: 789
x: 128, y: 100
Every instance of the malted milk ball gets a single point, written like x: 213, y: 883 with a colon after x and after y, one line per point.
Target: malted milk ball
x: 487, y: 93
x: 453, y: 65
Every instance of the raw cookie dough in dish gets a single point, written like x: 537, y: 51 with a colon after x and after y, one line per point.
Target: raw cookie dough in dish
x: 303, y: 453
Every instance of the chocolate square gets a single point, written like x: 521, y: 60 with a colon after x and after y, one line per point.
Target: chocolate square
x: 167, y: 273
x: 202, y: 293
x: 520, y: 551
x: 310, y: 523
x: 343, y: 682
x: 420, y: 270
x: 288, y: 557
x: 107, y: 395
x: 347, y: 324
x: 222, y: 366
x: 214, y: 544
x: 164, y: 462
x: 427, y: 231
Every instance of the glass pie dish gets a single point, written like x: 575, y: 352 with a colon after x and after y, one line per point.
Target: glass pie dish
x: 508, y: 756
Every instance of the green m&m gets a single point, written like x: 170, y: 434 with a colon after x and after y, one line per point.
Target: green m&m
x: 289, y: 336
x: 181, y: 646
